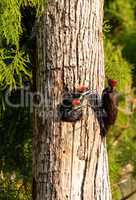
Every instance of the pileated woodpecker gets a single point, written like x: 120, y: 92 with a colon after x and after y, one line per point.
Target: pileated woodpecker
x: 110, y: 105
x: 70, y: 109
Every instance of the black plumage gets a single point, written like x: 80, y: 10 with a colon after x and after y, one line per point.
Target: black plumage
x: 110, y: 107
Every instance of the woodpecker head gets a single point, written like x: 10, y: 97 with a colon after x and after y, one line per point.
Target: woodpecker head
x: 76, y: 102
x: 82, y: 88
x: 112, y: 83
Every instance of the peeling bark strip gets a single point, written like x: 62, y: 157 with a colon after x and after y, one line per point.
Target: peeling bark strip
x: 69, y: 159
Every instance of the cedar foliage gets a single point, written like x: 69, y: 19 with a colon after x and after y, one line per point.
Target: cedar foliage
x: 15, y: 73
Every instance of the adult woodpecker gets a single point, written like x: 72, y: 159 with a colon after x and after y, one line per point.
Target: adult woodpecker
x: 110, y: 105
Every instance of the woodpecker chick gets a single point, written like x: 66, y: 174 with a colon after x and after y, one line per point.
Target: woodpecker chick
x: 76, y: 102
x: 70, y: 109
x: 82, y: 88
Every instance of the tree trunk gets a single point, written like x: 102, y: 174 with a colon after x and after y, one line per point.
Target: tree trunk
x: 69, y: 159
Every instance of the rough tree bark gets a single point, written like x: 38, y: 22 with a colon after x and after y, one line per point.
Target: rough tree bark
x: 69, y: 159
